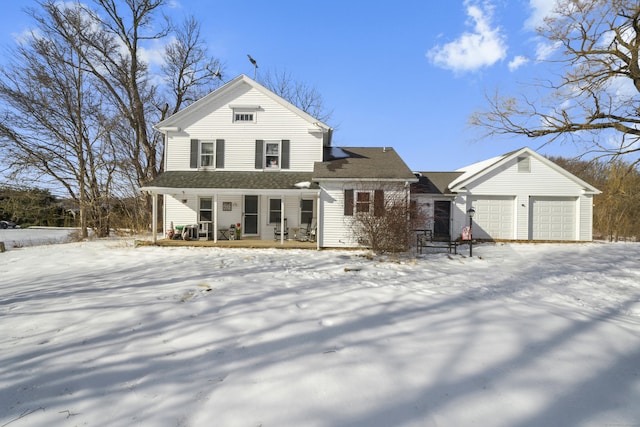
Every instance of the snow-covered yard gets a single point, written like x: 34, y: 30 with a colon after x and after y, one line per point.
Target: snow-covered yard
x: 101, y: 333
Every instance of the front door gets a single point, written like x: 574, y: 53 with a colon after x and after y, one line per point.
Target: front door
x: 250, y: 215
x: 442, y: 219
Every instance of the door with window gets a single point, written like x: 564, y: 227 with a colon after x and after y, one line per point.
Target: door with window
x: 250, y: 219
x: 442, y: 219
x: 205, y: 217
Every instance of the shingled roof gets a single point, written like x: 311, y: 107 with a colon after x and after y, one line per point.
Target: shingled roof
x: 381, y: 163
x: 434, y: 182
x: 231, y: 180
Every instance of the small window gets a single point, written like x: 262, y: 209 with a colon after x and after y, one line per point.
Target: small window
x: 524, y: 164
x: 274, y: 211
x: 243, y: 117
x: 244, y: 113
x: 207, y: 150
x: 272, y: 155
x: 362, y: 202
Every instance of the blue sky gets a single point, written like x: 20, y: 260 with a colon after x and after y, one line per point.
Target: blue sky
x: 405, y: 74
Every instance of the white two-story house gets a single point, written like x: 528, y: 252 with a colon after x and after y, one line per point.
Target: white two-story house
x: 244, y: 157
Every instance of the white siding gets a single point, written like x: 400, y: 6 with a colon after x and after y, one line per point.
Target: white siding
x: 336, y: 231
x: 336, y: 227
x: 273, y: 122
x: 180, y: 213
x: 585, y: 218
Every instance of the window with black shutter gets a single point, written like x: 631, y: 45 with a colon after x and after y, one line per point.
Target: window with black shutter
x: 348, y: 202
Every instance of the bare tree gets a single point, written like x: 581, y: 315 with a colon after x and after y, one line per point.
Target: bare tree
x: 305, y: 97
x: 595, y: 99
x: 55, y: 121
x: 126, y: 94
x: 616, y: 210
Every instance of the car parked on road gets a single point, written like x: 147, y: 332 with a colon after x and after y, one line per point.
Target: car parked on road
x: 8, y: 224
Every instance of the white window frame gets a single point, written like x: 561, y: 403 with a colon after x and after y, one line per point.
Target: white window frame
x: 279, y: 209
x: 244, y: 113
x: 212, y: 155
x: 243, y: 117
x: 271, y: 157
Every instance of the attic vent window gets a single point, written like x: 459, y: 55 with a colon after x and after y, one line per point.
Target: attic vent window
x: 244, y: 113
x: 524, y: 164
x: 243, y: 117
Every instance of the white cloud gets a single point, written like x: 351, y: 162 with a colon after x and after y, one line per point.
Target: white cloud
x: 539, y: 10
x: 482, y: 47
x: 545, y: 49
x: 153, y: 52
x: 517, y: 62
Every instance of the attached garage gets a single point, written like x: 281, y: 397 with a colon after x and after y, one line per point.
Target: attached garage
x: 494, y: 217
x: 552, y: 218
x: 518, y: 196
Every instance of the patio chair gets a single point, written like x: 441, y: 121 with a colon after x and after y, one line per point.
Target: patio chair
x: 278, y: 233
x: 313, y: 229
x: 304, y: 232
x: 308, y: 232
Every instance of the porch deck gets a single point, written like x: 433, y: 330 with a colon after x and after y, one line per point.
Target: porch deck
x: 242, y: 243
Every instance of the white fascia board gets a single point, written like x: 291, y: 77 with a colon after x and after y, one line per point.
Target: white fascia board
x: 167, y: 129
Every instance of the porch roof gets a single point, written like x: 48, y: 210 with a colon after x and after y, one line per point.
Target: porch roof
x: 232, y: 180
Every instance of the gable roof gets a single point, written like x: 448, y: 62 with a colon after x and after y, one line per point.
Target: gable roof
x: 477, y: 170
x: 206, y: 100
x: 434, y: 182
x: 363, y: 163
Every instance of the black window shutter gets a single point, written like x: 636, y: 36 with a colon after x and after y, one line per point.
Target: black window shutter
x: 194, y: 154
x: 284, y: 159
x: 378, y: 202
x: 259, y: 156
x: 220, y: 153
x: 348, y: 202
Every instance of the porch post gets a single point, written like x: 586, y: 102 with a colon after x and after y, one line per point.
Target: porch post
x: 154, y: 217
x: 318, y: 221
x: 215, y: 217
x: 282, y: 214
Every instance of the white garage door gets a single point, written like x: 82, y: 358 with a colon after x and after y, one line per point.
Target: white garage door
x: 553, y: 218
x: 494, y: 217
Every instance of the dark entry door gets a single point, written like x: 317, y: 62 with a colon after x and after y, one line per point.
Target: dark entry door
x: 250, y: 215
x: 441, y: 220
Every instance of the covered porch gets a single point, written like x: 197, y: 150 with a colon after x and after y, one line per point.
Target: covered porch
x: 228, y: 207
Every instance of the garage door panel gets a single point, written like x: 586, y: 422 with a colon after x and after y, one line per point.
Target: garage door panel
x: 553, y: 218
x: 494, y: 217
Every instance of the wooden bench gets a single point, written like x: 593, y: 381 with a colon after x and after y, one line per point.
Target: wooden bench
x: 424, y: 239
